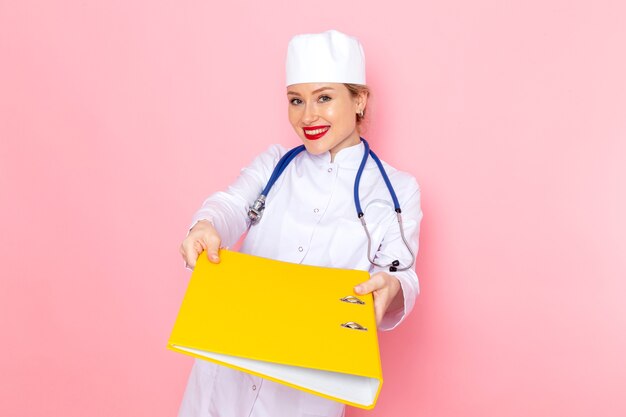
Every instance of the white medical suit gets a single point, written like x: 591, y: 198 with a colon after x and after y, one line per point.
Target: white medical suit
x: 310, y: 218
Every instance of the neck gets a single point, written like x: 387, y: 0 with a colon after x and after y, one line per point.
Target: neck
x: 353, y: 139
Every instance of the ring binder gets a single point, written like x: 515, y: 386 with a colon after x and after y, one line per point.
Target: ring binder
x: 353, y: 325
x: 246, y: 312
x: 352, y: 299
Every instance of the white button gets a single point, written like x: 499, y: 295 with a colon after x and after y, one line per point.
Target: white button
x: 254, y: 388
x: 316, y: 210
x: 330, y: 170
x: 300, y: 248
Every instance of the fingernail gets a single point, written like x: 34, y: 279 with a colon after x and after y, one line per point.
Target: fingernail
x: 358, y: 288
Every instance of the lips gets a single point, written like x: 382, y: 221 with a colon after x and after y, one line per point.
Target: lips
x: 315, y: 132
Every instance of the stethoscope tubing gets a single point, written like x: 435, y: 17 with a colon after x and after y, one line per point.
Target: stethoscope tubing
x: 256, y: 210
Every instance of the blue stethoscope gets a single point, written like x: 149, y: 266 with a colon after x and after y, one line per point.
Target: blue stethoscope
x: 256, y: 210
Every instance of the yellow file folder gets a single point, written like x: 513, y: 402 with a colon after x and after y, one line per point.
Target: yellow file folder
x: 298, y: 325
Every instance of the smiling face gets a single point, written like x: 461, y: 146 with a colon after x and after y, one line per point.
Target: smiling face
x: 324, y: 116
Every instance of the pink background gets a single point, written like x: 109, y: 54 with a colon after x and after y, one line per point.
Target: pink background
x: 117, y: 118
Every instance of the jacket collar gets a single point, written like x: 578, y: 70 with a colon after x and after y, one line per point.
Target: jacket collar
x: 349, y: 157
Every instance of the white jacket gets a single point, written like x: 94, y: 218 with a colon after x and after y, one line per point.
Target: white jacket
x: 310, y: 218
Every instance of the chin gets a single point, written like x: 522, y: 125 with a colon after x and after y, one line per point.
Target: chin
x: 315, y: 147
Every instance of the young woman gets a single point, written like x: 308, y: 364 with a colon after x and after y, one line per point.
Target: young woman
x: 310, y: 213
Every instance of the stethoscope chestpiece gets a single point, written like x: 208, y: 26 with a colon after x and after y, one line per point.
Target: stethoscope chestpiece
x: 256, y: 210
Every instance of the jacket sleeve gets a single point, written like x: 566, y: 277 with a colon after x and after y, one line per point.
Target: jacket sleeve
x: 228, y: 210
x: 392, y: 247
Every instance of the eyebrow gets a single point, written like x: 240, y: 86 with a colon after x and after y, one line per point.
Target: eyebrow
x: 314, y: 92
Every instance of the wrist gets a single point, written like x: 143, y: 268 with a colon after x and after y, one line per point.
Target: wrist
x: 206, y: 222
x: 397, y: 302
x: 202, y: 223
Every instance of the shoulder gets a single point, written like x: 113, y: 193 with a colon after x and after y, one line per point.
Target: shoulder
x: 275, y: 151
x: 269, y: 157
x: 408, y: 192
x: 405, y: 184
x: 263, y: 163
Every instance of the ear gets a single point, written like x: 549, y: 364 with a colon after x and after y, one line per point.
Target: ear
x: 362, y: 100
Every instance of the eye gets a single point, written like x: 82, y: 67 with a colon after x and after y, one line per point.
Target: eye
x: 295, y: 101
x: 322, y: 98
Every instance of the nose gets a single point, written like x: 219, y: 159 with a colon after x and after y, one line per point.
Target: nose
x: 310, y: 114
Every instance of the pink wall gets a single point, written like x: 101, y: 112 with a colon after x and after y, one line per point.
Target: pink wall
x: 118, y: 117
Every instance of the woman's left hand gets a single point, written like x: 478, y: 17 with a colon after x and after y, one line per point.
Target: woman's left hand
x: 386, y: 291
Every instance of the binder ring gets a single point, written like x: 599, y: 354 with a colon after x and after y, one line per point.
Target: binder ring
x: 353, y: 325
x: 352, y: 299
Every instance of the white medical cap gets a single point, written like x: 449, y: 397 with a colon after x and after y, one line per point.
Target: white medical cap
x: 330, y: 56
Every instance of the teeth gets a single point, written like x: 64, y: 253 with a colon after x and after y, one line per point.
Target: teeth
x: 316, y: 131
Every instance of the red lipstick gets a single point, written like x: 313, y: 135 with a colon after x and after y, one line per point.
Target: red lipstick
x: 315, y: 132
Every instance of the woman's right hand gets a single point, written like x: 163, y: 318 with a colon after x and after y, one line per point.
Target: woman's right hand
x: 202, y: 236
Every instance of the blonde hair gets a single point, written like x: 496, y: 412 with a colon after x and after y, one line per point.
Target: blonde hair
x: 355, y: 90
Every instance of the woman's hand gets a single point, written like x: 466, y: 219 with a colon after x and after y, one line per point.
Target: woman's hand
x: 202, y: 236
x: 387, y: 293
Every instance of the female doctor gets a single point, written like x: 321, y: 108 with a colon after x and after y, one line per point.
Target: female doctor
x: 309, y: 213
